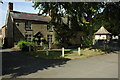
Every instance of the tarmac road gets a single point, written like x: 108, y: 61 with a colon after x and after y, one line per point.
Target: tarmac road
x: 105, y: 66
x: 23, y: 66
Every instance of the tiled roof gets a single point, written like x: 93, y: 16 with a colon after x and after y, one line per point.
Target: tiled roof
x: 29, y: 16
x: 102, y: 30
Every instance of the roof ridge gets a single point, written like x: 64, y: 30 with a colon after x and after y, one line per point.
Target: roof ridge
x: 29, y: 13
x: 29, y: 16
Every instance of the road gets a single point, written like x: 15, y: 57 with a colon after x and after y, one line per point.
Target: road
x: 24, y: 66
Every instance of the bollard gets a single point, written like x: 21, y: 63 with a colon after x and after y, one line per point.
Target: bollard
x: 47, y: 52
x: 62, y: 51
x: 79, y: 51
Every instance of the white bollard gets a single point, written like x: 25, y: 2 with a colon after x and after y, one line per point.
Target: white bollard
x: 62, y: 51
x: 47, y: 52
x: 79, y: 51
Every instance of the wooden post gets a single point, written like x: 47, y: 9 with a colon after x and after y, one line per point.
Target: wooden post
x: 104, y: 45
x: 47, y: 53
x: 49, y: 45
x: 29, y: 48
x: 62, y: 51
x: 79, y: 51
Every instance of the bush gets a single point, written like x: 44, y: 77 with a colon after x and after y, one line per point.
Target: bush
x: 87, y: 43
x: 45, y: 45
x: 24, y: 45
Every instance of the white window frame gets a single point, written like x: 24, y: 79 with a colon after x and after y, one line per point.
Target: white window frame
x: 50, y: 37
x: 28, y: 25
x: 28, y: 37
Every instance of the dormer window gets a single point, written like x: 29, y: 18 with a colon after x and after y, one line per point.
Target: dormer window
x: 28, y: 25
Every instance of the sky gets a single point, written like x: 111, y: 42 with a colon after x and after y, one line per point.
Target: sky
x: 18, y: 5
x: 21, y: 6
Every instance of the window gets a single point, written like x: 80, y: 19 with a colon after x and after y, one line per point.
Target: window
x: 50, y: 28
x: 28, y: 25
x: 49, y: 38
x: 28, y: 37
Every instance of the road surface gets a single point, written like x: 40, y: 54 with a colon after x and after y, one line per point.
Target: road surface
x: 17, y: 65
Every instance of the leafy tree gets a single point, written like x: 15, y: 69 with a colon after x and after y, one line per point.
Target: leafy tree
x: 81, y: 17
x: 109, y: 18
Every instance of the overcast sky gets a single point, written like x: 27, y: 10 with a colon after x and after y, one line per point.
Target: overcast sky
x: 21, y: 6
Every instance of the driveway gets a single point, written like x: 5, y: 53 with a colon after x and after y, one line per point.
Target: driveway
x: 16, y: 64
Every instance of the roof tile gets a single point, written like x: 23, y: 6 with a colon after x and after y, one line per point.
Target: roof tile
x: 29, y: 16
x: 102, y: 30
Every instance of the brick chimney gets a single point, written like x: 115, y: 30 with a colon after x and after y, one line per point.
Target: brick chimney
x: 10, y: 6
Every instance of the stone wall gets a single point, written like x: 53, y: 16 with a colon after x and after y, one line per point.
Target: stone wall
x: 9, y: 35
x: 40, y: 28
x: 20, y: 31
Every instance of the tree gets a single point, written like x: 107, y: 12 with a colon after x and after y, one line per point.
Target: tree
x: 81, y: 17
x: 109, y: 18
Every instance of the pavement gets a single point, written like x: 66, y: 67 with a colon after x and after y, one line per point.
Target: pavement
x: 18, y: 65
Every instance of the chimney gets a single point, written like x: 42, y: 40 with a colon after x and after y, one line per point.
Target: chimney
x: 10, y: 6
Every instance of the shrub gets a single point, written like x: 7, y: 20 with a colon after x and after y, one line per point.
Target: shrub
x: 87, y: 42
x: 24, y: 45
x: 45, y: 45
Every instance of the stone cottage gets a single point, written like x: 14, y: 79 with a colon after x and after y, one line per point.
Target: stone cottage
x: 23, y: 26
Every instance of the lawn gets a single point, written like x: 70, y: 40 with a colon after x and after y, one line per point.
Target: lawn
x: 69, y: 53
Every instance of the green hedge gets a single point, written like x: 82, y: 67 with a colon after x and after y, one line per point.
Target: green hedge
x: 24, y: 45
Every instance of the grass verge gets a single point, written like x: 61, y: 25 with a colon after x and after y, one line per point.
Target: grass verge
x: 69, y: 53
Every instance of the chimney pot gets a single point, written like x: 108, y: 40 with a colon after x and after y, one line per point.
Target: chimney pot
x: 10, y: 6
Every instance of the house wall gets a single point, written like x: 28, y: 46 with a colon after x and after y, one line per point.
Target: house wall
x: 9, y: 35
x: 101, y: 37
x: 53, y: 37
x: 0, y: 40
x: 19, y: 31
x: 40, y: 28
x: 3, y: 34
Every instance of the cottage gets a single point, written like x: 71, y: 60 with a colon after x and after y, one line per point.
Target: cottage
x: 23, y: 26
x: 31, y: 27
